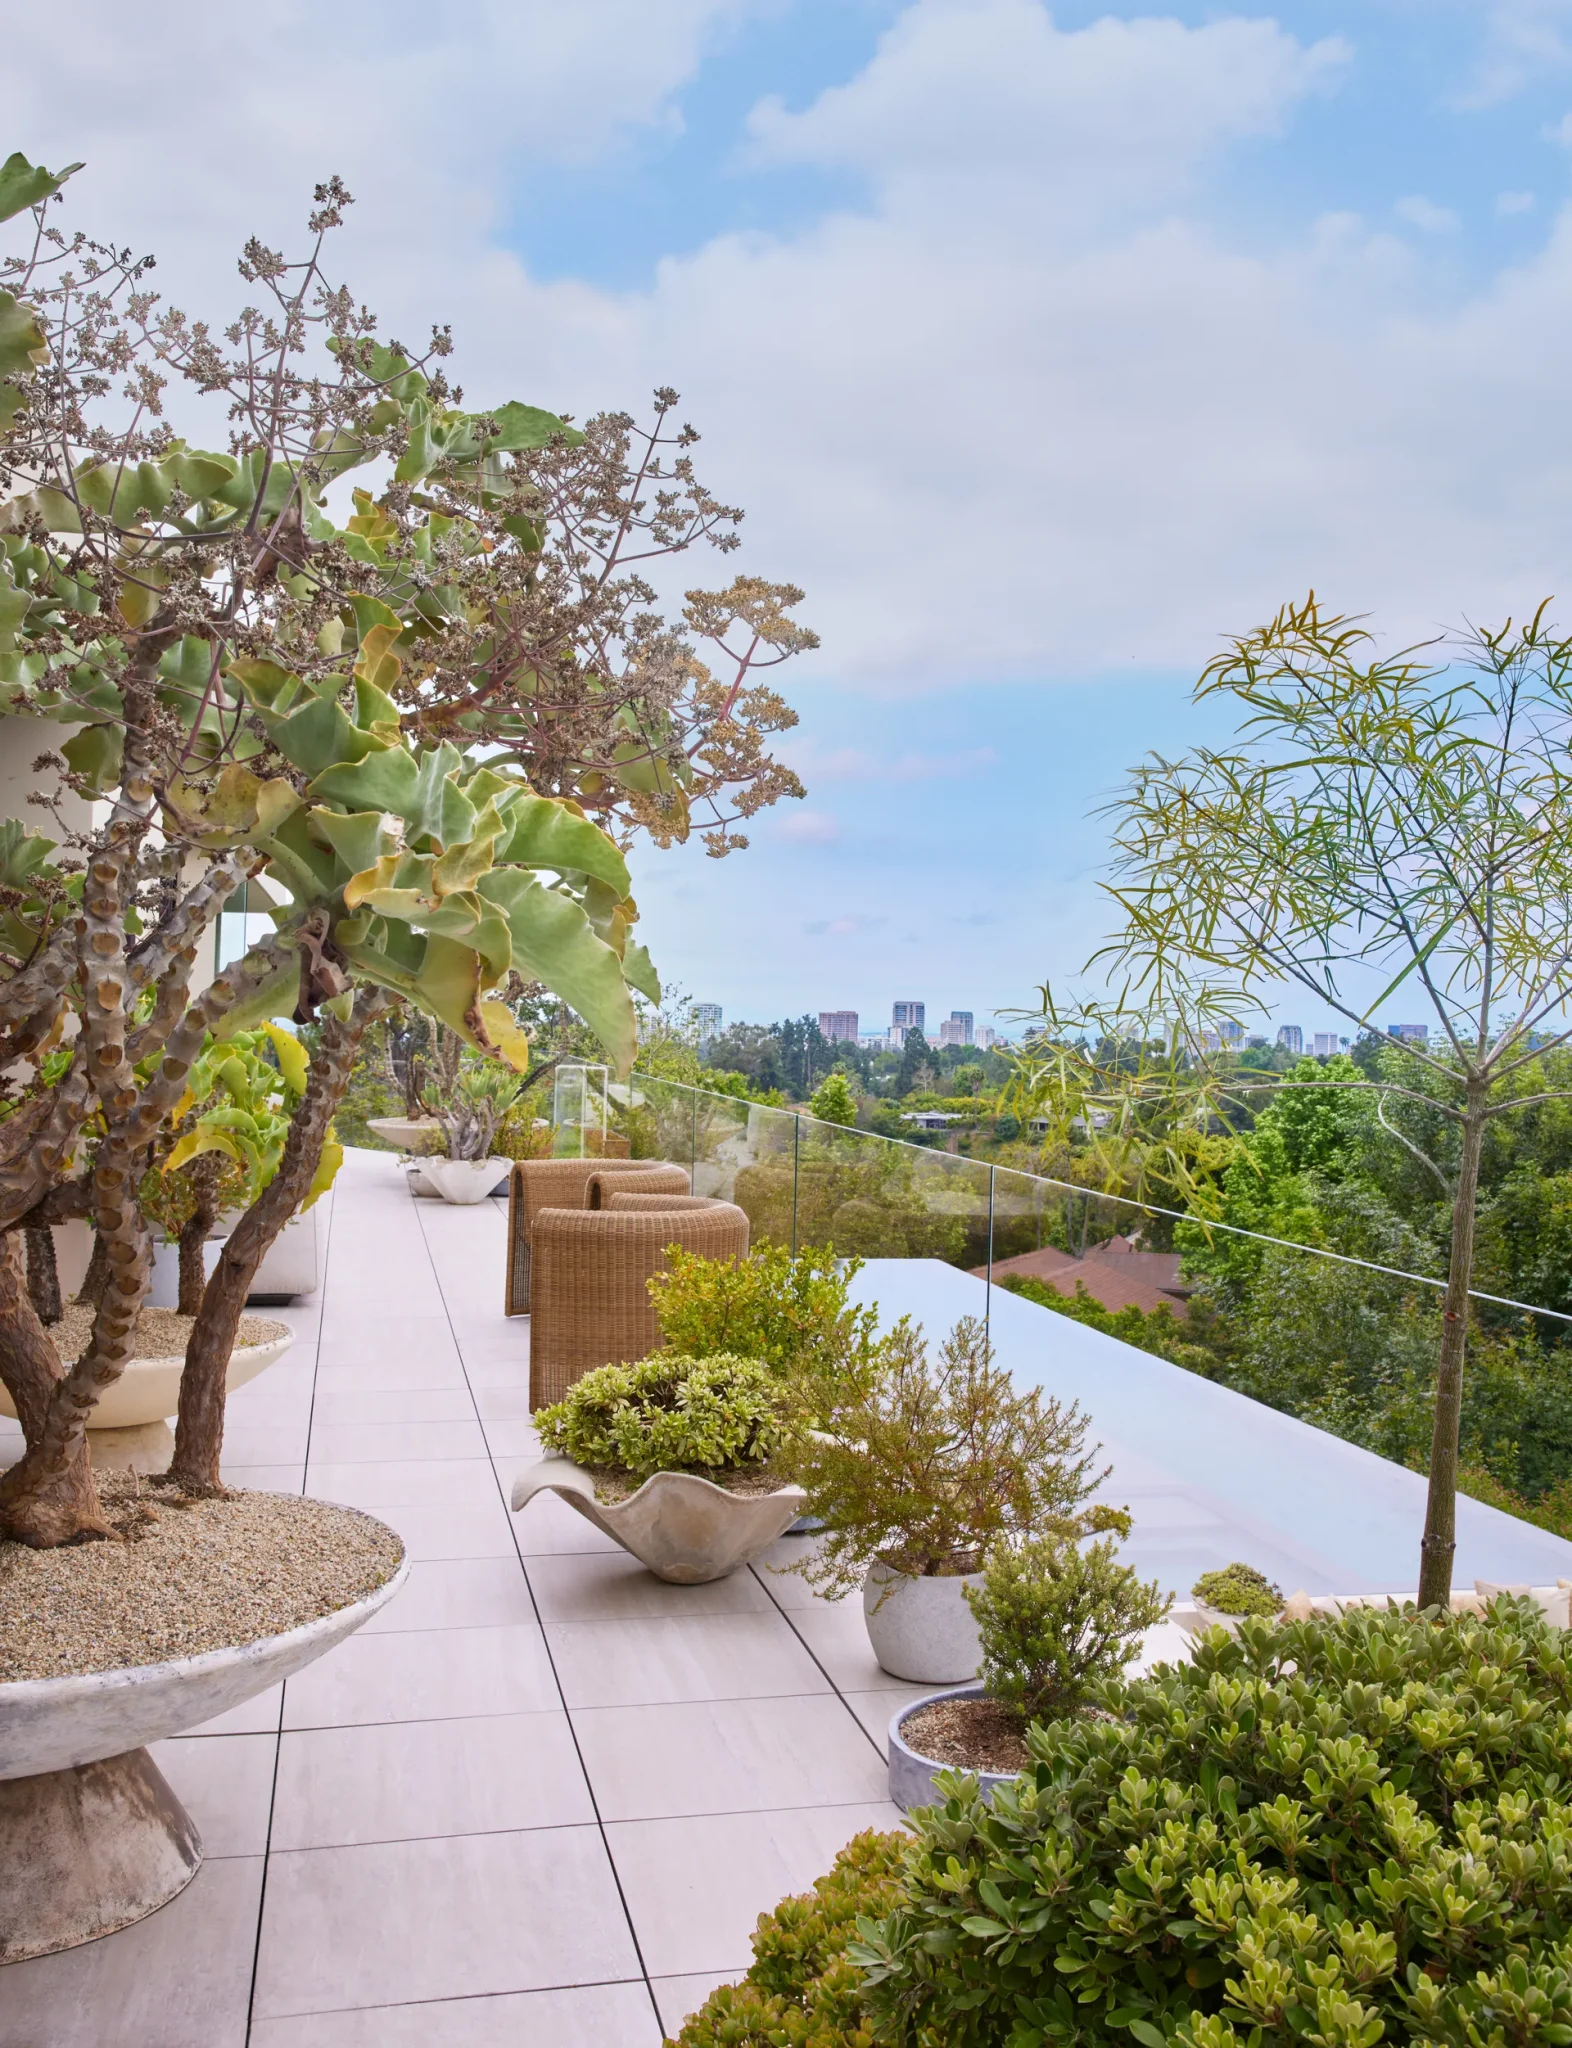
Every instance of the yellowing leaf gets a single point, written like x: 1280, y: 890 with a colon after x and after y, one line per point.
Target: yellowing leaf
x: 506, y: 1034
x: 293, y: 1062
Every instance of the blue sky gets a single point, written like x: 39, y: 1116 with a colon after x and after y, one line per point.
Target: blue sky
x: 1045, y: 349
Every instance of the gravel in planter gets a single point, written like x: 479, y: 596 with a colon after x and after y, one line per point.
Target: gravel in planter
x: 968, y: 1735
x: 183, y: 1579
x: 160, y: 1332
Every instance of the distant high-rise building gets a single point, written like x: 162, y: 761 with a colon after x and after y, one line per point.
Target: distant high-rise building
x: 1291, y: 1038
x: 906, y: 1017
x: 838, y: 1024
x: 1325, y: 1044
x: 1415, y: 1034
x: 985, y: 1036
x: 1230, y: 1034
x: 874, y: 1041
x: 956, y: 1028
x: 707, y: 1021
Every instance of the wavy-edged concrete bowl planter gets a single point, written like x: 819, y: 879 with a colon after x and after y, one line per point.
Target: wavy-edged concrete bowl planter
x: 91, y: 1836
x: 684, y: 1529
x: 922, y: 1628
x: 410, y: 1134
x: 464, y: 1181
x: 130, y: 1431
x: 913, y: 1776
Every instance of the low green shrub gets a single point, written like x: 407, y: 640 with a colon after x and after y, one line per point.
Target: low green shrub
x: 791, y: 1311
x: 1313, y: 1836
x: 801, y: 1992
x: 1239, y: 1589
x: 670, y: 1413
x: 1057, y: 1620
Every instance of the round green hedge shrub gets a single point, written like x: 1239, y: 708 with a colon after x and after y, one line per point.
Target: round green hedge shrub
x: 801, y: 1992
x: 668, y: 1413
x: 1315, y: 1836
x: 1239, y: 1589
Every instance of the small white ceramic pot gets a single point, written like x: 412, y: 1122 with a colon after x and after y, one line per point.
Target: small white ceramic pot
x: 922, y: 1629
x: 684, y: 1529
x: 463, y: 1180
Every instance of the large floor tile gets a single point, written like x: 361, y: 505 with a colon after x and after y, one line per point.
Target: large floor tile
x: 726, y: 1756
x: 837, y: 1636
x: 264, y: 1478
x: 512, y: 1440
x: 684, y: 1657
x: 225, y: 1783
x: 428, y: 1676
x: 476, y: 1529
x: 502, y: 1404
x: 402, y: 1482
x: 696, y: 1887
x: 484, y: 1370
x: 256, y: 1716
x: 875, y: 1710
x: 363, y: 1443
x: 451, y: 1918
x: 614, y: 1587
x: 418, y: 1370
x: 775, y: 1568
x: 400, y: 1780
x: 335, y: 1404
x: 179, y: 1979
x: 596, y: 2016
x: 248, y: 1443
x: 677, y: 1997
x: 444, y: 1593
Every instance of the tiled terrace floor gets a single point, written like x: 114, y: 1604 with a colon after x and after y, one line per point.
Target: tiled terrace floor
x: 542, y: 1798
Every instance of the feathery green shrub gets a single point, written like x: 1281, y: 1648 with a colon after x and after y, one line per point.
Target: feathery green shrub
x: 1239, y: 1589
x: 669, y: 1413
x: 1056, y: 1620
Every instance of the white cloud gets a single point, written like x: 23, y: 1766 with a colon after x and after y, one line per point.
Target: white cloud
x: 1023, y: 409
x: 856, y: 764
x: 808, y: 828
x: 1426, y: 215
x: 1522, y: 40
x: 1508, y: 203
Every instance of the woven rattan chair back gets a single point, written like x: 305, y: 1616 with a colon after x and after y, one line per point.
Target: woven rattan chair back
x: 537, y: 1184
x: 590, y: 1299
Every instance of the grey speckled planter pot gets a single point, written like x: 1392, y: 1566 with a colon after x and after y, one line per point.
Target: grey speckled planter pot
x: 91, y: 1836
x: 912, y: 1776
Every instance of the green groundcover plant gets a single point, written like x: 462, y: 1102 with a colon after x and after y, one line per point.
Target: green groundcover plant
x: 1327, y: 1834
x: 1239, y: 1589
x: 670, y: 1413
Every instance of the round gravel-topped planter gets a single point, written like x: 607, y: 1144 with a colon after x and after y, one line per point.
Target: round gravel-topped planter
x: 913, y: 1776
x: 684, y: 1529
x: 130, y: 1431
x: 91, y: 1836
x: 922, y: 1628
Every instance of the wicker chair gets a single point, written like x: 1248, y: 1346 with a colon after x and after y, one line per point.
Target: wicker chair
x: 537, y: 1184
x: 590, y: 1302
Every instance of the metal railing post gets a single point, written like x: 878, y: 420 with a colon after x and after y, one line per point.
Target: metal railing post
x: 796, y: 1149
x: 988, y: 1290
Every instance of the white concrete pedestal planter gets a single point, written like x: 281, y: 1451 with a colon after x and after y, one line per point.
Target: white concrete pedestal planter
x: 463, y: 1180
x: 922, y: 1629
x: 130, y: 1430
x: 912, y: 1775
x: 684, y: 1529
x: 410, y: 1134
x: 91, y: 1836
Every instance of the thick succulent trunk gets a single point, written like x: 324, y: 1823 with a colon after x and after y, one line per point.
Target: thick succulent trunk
x: 96, y: 1278
x: 43, y: 1274
x: 199, y: 1428
x: 30, y: 1367
x: 1440, y: 1537
x: 204, y: 1174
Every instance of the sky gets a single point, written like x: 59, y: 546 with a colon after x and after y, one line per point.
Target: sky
x: 1045, y: 349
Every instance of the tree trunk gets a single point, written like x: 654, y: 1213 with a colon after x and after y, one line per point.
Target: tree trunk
x: 43, y: 1275
x: 1440, y: 1537
x: 96, y: 1278
x: 204, y: 1176
x: 199, y: 1428
x: 30, y: 1367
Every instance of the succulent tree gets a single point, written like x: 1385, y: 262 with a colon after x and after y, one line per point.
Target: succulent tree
x: 260, y: 694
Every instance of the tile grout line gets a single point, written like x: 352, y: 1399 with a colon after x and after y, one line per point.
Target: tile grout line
x: 785, y: 1614
x: 278, y: 1733
x: 556, y: 1677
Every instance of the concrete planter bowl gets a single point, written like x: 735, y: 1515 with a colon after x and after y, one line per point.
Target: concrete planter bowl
x: 913, y: 1776
x: 922, y: 1629
x: 130, y: 1431
x: 464, y: 1181
x: 684, y: 1529
x: 91, y: 1836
